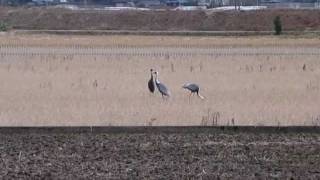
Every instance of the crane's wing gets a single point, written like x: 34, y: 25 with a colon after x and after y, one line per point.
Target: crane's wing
x: 191, y: 87
x: 163, y: 89
x: 151, y: 85
x: 194, y: 87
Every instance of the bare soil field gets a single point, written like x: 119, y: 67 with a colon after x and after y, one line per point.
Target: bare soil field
x: 57, y: 19
x: 52, y: 80
x: 213, y: 155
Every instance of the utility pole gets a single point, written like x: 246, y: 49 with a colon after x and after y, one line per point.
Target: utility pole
x: 235, y: 4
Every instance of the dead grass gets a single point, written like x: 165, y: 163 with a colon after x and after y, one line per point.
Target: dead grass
x: 70, y: 88
x: 185, y: 41
x: 46, y: 18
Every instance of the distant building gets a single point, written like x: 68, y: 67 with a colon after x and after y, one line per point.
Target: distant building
x: 172, y: 3
x: 213, y: 3
x: 182, y: 3
x: 291, y: 4
x: 122, y: 3
x: 149, y: 3
x: 48, y: 2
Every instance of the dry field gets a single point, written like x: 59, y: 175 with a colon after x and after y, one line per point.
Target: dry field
x: 213, y: 155
x: 102, y: 80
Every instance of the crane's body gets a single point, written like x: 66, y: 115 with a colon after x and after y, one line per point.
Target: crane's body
x: 161, y: 87
x: 193, y: 88
x: 151, y: 85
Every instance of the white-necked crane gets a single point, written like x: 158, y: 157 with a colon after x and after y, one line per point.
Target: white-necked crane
x: 161, y: 87
x: 151, y: 82
x: 193, y: 88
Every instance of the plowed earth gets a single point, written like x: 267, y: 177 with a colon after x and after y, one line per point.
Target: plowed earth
x: 159, y: 155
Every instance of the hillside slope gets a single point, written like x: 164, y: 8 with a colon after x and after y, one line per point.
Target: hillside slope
x: 54, y: 19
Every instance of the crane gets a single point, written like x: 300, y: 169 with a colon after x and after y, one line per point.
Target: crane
x: 151, y: 82
x: 193, y: 88
x: 161, y: 87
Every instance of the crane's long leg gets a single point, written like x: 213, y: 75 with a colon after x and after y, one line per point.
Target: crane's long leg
x: 201, y: 97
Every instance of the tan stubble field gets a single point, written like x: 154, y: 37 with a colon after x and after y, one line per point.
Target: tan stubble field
x: 49, y: 80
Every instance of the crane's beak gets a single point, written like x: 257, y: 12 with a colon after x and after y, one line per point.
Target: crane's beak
x: 184, y: 86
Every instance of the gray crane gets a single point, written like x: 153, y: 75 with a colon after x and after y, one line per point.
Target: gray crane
x: 193, y: 88
x: 151, y: 82
x: 161, y: 87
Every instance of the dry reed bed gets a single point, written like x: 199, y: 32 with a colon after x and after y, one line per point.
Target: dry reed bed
x: 89, y: 80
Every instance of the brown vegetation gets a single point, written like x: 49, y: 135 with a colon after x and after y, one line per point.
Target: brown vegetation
x: 54, y: 18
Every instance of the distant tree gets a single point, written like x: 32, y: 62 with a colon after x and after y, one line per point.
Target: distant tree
x: 14, y: 2
x: 3, y: 26
x: 277, y: 25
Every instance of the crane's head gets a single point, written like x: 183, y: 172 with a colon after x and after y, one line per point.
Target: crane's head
x: 155, y: 72
x: 185, y: 85
x: 151, y: 70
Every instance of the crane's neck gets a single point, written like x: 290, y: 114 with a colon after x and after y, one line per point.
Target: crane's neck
x: 156, y: 79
